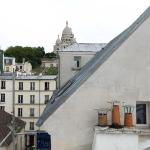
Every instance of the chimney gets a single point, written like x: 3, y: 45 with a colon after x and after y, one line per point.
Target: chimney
x: 128, y: 119
x: 102, y: 117
x: 115, y: 114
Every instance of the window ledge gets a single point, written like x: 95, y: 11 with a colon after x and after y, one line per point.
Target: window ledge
x: 144, y: 131
x: 76, y: 69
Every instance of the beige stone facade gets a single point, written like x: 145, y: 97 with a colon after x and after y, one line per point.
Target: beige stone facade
x: 32, y: 93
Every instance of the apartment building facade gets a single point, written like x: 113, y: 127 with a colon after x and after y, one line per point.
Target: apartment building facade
x: 31, y: 94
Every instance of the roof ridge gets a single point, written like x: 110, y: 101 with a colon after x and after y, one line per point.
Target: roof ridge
x: 101, y: 56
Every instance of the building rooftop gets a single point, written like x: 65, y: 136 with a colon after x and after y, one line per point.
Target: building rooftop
x: 5, y: 132
x: 9, y: 57
x: 60, y: 96
x: 84, y: 47
x: 27, y: 77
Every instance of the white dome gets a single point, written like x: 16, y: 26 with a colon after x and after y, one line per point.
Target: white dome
x: 67, y: 30
x: 58, y: 41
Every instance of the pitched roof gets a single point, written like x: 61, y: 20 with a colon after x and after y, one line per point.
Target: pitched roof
x: 5, y: 120
x: 84, y: 47
x: 60, y: 96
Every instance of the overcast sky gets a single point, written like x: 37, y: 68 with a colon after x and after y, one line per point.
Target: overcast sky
x: 38, y: 22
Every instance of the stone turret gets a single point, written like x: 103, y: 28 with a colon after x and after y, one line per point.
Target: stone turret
x: 66, y: 39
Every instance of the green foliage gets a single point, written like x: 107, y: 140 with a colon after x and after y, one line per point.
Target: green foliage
x: 50, y: 55
x: 31, y: 54
x: 52, y: 71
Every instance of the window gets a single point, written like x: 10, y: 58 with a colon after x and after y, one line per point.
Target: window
x: 20, y: 99
x: 31, y: 112
x: 20, y: 67
x: 141, y: 113
x: 20, y: 85
x: 8, y: 61
x: 46, y: 99
x: 2, y: 98
x: 77, y: 61
x: 32, y: 99
x: 7, y: 69
x: 32, y: 85
x: 31, y: 125
x: 20, y: 112
x: 46, y: 86
x: 2, y: 107
x: 3, y: 84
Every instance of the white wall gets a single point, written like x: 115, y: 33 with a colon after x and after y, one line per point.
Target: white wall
x: 67, y: 64
x: 125, y: 76
x: 114, y: 141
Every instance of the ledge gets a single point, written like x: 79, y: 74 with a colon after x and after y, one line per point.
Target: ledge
x: 108, y: 130
x: 76, y: 69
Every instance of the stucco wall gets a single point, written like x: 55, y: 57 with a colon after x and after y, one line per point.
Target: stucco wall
x: 67, y: 64
x: 125, y: 76
x: 115, y: 142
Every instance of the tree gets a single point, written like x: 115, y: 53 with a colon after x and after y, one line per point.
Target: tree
x: 52, y: 71
x: 50, y: 55
x: 31, y: 54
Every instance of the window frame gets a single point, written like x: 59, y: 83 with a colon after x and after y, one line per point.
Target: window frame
x: 3, y: 84
x: 2, y: 108
x: 32, y: 112
x: 31, y: 127
x: 32, y: 86
x: 147, y: 116
x: 46, y: 86
x: 20, y: 112
x: 47, y: 97
x: 20, y: 99
x: 21, y: 86
x: 3, y: 98
x: 32, y: 99
x: 77, y: 62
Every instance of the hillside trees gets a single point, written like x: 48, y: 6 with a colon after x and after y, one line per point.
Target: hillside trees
x: 31, y: 54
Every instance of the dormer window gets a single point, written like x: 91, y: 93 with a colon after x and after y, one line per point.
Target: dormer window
x: 77, y: 61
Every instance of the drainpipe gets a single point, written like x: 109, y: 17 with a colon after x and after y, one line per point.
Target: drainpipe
x: 39, y: 99
x: 58, y: 80
x: 13, y: 112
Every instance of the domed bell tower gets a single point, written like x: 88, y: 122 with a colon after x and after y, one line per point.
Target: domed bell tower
x: 66, y: 39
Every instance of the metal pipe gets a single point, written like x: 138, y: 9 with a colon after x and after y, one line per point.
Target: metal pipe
x: 13, y: 112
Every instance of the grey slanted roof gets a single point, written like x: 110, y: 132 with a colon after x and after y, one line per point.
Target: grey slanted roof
x: 60, y: 96
x: 84, y: 47
x: 5, y: 132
